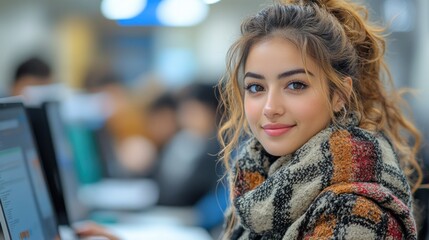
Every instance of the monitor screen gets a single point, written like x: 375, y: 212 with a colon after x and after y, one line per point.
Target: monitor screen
x: 24, y: 196
x: 65, y: 161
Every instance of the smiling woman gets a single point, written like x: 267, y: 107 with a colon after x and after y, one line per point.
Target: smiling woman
x: 284, y: 105
x: 325, y: 153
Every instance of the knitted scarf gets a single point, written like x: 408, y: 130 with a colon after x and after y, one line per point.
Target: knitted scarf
x: 342, y: 184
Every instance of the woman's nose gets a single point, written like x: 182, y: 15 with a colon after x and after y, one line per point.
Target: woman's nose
x: 273, y: 106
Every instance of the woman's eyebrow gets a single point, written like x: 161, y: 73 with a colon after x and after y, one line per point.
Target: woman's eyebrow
x: 293, y: 72
x: 281, y: 75
x: 253, y: 75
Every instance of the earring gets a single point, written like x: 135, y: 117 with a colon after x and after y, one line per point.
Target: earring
x: 341, y: 115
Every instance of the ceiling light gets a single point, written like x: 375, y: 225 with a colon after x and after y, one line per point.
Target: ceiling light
x: 122, y: 9
x: 182, y: 12
x: 211, y: 1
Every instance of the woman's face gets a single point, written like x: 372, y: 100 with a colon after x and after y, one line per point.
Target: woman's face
x: 284, y: 106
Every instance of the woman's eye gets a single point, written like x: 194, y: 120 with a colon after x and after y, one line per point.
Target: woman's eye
x: 296, y: 86
x: 254, y: 88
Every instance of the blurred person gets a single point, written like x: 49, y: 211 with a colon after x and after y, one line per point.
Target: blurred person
x: 188, y: 162
x: 135, y: 152
x: 161, y: 119
x: 31, y: 72
x: 188, y: 172
x: 161, y: 125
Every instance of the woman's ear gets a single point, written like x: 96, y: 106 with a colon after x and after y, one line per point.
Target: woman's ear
x: 338, y: 100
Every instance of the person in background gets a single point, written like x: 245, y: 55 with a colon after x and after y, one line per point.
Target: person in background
x: 188, y: 172
x: 161, y: 117
x: 136, y: 153
x: 329, y: 153
x: 32, y: 72
x: 188, y: 163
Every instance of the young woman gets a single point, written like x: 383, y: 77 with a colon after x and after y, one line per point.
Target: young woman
x: 321, y: 150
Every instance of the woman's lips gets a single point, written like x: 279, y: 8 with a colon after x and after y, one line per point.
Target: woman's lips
x: 275, y: 130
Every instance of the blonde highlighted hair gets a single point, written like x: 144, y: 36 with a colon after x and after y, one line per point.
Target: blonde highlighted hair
x: 339, y: 37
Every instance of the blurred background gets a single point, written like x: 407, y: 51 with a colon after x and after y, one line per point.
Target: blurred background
x: 170, y: 42
x: 118, y: 64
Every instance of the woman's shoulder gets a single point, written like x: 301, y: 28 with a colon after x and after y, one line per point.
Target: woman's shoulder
x: 359, y: 138
x: 358, y: 155
x: 353, y: 216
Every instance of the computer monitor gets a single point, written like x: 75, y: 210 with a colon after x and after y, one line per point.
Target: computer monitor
x: 25, y: 201
x: 65, y: 162
x: 51, y: 138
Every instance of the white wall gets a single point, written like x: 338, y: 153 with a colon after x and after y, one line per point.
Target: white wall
x: 24, y: 30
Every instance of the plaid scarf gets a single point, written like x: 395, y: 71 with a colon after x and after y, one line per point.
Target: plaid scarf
x: 342, y: 184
